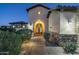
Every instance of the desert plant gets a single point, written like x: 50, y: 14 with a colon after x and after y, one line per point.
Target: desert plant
x: 70, y: 47
x: 10, y: 42
x: 25, y: 33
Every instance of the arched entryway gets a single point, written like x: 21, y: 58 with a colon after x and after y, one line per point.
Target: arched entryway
x: 39, y: 27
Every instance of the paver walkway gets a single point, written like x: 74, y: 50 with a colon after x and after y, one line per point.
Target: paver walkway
x: 34, y: 47
x: 37, y: 47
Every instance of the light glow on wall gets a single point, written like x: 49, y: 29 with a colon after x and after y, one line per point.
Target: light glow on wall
x: 69, y: 28
x: 30, y: 27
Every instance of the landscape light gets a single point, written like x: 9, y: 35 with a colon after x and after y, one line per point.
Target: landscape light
x: 23, y: 26
x: 13, y: 26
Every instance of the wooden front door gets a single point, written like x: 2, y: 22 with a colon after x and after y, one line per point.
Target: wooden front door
x: 39, y: 29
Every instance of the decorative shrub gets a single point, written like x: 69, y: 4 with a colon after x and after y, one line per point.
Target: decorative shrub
x: 25, y: 33
x: 70, y: 47
x: 10, y: 42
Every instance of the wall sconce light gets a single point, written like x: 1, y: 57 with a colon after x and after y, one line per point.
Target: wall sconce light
x: 39, y: 12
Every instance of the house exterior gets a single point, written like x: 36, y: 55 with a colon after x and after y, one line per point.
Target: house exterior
x: 38, y: 18
x: 63, y: 20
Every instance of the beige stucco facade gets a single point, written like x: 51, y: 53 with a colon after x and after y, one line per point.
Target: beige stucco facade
x: 59, y: 20
x: 38, y: 15
x: 64, y: 22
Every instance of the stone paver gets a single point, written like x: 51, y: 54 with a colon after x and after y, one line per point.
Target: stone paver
x: 55, y: 51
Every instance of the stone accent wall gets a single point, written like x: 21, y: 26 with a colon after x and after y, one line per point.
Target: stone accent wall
x: 63, y: 38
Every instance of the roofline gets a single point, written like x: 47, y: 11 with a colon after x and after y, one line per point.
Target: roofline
x: 50, y: 11
x: 58, y: 9
x: 36, y: 6
x: 18, y: 22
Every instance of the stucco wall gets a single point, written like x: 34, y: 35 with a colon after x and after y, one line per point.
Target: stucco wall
x: 34, y: 16
x: 30, y: 26
x: 62, y: 22
x: 67, y: 27
x: 54, y: 22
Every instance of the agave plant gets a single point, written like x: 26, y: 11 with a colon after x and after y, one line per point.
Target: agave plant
x: 70, y: 47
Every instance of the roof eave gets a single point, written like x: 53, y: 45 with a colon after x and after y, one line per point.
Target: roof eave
x: 36, y: 6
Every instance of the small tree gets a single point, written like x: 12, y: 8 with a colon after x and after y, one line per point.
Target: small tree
x: 25, y: 33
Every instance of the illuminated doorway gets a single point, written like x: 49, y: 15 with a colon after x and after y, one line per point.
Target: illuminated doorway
x: 39, y: 27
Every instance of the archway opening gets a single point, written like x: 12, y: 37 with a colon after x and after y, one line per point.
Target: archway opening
x: 39, y: 27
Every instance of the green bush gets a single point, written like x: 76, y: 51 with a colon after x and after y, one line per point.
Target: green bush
x: 25, y: 33
x: 10, y: 42
x: 70, y: 47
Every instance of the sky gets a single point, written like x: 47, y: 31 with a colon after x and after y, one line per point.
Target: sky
x: 12, y: 12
